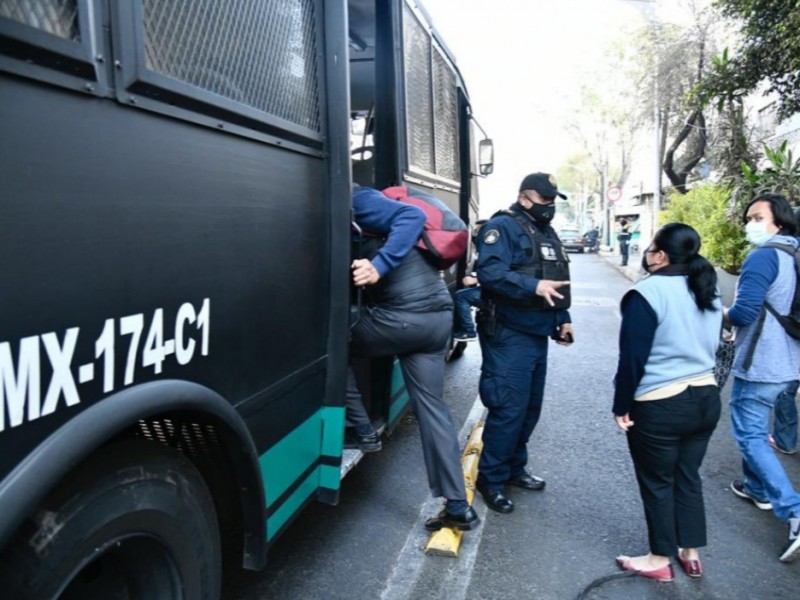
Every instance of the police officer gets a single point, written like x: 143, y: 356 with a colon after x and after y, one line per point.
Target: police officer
x: 524, y: 274
x: 624, y: 239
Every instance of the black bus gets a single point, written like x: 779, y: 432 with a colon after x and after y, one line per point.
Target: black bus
x: 175, y: 217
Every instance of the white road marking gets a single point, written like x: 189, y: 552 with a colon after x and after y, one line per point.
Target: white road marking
x: 594, y: 301
x: 456, y: 576
x: 411, y: 560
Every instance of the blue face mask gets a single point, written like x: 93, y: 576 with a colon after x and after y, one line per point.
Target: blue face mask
x: 756, y: 233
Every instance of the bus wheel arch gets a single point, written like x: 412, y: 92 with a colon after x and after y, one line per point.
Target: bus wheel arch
x: 175, y: 416
x: 135, y: 517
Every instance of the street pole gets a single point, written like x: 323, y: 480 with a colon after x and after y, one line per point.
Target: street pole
x: 656, y: 138
x: 582, y: 213
x: 604, y: 203
x: 652, y: 16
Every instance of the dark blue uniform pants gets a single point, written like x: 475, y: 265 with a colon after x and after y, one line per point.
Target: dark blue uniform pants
x: 512, y: 389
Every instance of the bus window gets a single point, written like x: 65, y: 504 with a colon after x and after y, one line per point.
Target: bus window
x: 362, y: 142
x: 431, y: 104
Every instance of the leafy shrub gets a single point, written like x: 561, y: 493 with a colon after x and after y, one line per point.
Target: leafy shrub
x: 779, y: 174
x: 706, y: 208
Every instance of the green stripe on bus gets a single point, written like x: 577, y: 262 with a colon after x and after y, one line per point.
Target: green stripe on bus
x: 282, y: 464
x: 333, y: 420
x: 292, y: 504
x: 330, y: 477
x: 332, y: 444
x: 322, y: 434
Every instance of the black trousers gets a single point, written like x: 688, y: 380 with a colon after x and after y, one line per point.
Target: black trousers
x: 668, y: 442
x: 624, y: 249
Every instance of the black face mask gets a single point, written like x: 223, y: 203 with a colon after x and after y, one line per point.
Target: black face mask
x: 543, y: 213
x: 645, y: 266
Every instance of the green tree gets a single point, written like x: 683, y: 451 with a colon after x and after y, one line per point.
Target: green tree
x: 705, y: 208
x: 780, y: 174
x: 669, y: 61
x: 769, y: 50
x: 731, y: 142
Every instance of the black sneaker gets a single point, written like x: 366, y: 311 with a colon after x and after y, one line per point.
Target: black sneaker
x: 792, y: 549
x: 465, y: 337
x: 366, y: 443
x: 737, y: 486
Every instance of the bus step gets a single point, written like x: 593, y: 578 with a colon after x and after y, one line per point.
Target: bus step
x: 350, y: 458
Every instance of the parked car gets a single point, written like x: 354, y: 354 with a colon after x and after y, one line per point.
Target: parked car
x: 572, y: 239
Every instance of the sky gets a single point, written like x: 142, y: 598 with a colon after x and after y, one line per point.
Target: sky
x: 523, y: 62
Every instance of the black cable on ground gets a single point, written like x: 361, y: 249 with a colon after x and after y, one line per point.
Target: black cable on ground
x: 600, y: 581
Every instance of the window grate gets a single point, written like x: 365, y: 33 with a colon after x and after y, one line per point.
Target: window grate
x: 57, y: 17
x: 261, y: 54
x: 419, y: 114
x: 445, y: 105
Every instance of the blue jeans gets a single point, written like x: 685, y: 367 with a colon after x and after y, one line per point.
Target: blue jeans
x: 784, y: 430
x: 764, y: 477
x: 462, y: 314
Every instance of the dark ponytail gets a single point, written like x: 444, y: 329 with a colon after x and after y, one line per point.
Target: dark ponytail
x: 681, y: 243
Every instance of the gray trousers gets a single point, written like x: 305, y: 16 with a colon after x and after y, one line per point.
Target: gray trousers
x: 419, y: 340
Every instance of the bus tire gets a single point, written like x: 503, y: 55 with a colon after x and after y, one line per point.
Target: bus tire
x: 136, y: 520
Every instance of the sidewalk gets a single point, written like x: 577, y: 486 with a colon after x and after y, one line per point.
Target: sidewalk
x: 633, y: 270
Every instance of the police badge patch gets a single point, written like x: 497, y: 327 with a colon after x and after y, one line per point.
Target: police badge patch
x: 491, y: 236
x: 548, y: 251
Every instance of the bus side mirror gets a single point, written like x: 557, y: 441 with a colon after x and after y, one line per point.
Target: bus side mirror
x: 486, y: 157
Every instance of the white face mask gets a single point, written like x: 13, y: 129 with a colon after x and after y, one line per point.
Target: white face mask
x: 757, y: 233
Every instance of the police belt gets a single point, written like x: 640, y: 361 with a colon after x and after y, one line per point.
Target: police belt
x: 534, y: 304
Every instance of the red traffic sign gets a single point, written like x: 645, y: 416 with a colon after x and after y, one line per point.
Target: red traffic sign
x: 613, y: 193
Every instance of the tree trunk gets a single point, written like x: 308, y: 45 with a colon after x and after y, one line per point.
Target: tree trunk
x: 678, y: 174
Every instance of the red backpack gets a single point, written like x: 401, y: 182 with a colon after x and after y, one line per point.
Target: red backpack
x: 445, y: 237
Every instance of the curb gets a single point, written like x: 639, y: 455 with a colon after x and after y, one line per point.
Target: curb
x: 632, y: 273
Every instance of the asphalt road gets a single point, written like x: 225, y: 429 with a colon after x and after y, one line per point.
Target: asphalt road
x: 556, y: 542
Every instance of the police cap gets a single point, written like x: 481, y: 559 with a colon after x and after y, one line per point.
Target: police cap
x: 544, y: 183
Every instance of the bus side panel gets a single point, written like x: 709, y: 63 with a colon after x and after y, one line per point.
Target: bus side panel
x: 137, y: 247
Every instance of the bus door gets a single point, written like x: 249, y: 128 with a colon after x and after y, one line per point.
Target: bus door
x: 410, y: 125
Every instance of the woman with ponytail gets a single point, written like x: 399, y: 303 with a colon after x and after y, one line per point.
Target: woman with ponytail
x: 666, y: 398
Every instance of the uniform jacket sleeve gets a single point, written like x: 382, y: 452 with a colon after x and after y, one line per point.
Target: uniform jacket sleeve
x: 636, y: 335
x: 759, y: 270
x: 400, y: 223
x: 496, y: 258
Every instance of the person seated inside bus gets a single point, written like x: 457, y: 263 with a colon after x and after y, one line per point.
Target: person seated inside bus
x: 408, y: 313
x: 467, y: 297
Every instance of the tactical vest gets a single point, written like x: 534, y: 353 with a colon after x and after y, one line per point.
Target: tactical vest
x: 548, y: 261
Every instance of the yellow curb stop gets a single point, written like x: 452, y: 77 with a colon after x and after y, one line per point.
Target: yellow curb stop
x: 447, y: 541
